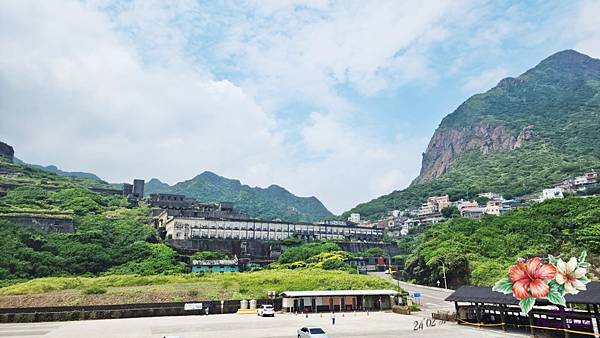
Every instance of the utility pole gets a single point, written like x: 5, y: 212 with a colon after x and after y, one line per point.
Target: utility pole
x: 444, y: 272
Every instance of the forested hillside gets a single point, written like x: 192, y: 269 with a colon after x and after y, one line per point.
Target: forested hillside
x: 523, y: 135
x: 269, y: 203
x: 480, y: 251
x: 110, y: 236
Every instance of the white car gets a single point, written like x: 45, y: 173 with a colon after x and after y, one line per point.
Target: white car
x: 266, y: 311
x: 312, y: 332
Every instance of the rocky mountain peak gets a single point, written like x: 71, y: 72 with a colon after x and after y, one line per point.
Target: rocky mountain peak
x: 505, y: 117
x: 6, y: 151
x: 448, y: 144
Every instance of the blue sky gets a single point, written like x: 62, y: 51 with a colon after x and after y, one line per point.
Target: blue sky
x: 335, y: 99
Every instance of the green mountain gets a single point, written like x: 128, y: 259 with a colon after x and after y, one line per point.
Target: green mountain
x: 517, y: 138
x: 54, y: 169
x: 270, y: 203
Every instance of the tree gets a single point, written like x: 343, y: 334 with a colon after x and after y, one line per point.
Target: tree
x: 450, y: 212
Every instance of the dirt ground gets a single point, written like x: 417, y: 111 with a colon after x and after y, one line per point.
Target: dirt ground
x: 113, y: 295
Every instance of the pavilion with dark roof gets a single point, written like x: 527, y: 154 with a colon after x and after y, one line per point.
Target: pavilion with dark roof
x: 481, y: 306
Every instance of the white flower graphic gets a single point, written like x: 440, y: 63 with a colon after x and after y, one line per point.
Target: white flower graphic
x: 569, y: 275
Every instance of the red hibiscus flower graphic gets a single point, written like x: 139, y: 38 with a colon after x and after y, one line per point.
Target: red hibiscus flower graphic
x: 529, y: 278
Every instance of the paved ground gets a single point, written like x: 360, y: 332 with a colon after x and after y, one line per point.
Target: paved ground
x: 431, y: 298
x: 377, y: 324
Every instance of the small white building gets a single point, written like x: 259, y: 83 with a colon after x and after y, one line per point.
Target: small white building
x: 551, y: 193
x: 354, y: 218
x: 490, y: 195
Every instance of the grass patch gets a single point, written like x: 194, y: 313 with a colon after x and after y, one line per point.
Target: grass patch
x: 94, y: 290
x: 242, y: 285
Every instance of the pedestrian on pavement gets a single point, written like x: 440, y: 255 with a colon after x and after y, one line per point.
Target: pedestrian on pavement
x: 333, y: 318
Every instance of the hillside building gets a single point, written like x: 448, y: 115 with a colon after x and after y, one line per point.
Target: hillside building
x: 185, y: 228
x: 354, y: 218
x: 490, y: 195
x: 551, y: 194
x: 434, y: 204
x: 497, y: 207
x: 217, y: 265
x: 182, y: 206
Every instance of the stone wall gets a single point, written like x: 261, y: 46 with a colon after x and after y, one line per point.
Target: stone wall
x: 43, y: 222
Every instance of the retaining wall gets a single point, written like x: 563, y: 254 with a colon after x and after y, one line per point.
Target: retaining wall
x: 69, y: 313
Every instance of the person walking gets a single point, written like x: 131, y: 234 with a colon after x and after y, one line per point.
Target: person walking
x: 333, y: 318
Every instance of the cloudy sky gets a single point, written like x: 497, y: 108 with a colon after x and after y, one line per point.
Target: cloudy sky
x: 335, y: 99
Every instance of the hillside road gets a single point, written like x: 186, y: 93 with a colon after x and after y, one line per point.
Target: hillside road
x: 432, y: 298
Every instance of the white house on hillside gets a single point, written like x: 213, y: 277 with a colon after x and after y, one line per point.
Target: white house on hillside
x: 551, y: 193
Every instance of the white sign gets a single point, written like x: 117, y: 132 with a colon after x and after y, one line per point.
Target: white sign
x: 192, y: 306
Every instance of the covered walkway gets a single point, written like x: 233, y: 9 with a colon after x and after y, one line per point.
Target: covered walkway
x: 480, y: 306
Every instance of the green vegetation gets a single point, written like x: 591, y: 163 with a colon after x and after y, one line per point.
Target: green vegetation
x: 559, y: 98
x: 223, y: 286
x: 110, y: 236
x: 94, y: 290
x: 271, y: 203
x: 480, y: 251
x: 450, y: 212
x: 324, y: 255
x: 305, y: 251
x: 201, y: 255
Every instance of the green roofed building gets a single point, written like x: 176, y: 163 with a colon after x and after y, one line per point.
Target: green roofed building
x: 216, y: 265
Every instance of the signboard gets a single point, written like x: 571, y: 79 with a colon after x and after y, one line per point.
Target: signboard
x: 192, y: 306
x: 417, y: 294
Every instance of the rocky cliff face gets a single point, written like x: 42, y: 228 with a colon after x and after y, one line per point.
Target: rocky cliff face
x: 6, y: 151
x: 447, y: 144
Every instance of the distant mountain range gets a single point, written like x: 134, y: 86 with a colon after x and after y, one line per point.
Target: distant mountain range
x: 517, y: 138
x: 54, y: 169
x: 269, y: 203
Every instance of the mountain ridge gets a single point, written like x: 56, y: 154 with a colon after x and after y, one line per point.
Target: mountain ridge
x: 267, y: 203
x: 524, y: 134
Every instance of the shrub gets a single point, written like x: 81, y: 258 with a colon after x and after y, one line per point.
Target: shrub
x: 94, y: 290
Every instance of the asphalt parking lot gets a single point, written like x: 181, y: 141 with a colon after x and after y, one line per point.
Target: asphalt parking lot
x: 377, y: 324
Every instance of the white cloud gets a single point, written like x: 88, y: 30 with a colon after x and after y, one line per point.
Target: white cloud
x: 307, y: 52
x: 78, y: 93
x: 356, y: 163
x: 484, y: 80
x: 155, y: 89
x: 75, y: 94
x: 586, y: 28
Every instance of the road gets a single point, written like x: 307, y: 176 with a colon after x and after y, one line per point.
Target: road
x: 376, y: 324
x: 432, y: 298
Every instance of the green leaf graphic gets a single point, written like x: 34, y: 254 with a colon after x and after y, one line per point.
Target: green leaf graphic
x: 527, y: 304
x: 552, y: 259
x: 555, y: 296
x: 504, y: 285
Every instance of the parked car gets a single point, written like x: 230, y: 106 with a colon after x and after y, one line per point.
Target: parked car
x: 266, y: 311
x: 312, y: 332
